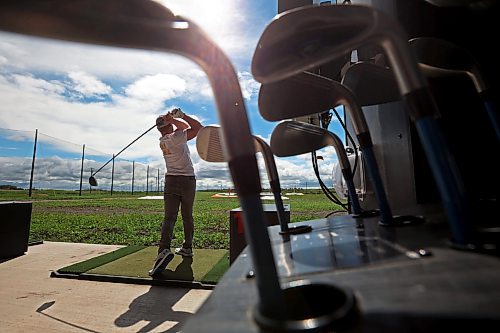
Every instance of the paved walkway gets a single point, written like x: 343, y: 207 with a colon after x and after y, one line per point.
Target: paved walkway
x: 32, y: 301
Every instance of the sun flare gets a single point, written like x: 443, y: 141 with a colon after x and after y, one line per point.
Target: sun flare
x: 220, y: 19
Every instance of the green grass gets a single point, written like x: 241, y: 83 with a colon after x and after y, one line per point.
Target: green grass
x: 135, y: 261
x: 99, y: 260
x: 122, y: 219
x: 208, y: 265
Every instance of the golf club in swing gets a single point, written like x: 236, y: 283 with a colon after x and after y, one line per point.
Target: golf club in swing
x: 314, y: 35
x: 93, y: 180
x: 143, y: 24
x: 209, y: 147
x: 292, y: 138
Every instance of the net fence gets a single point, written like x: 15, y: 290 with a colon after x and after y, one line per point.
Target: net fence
x: 31, y: 159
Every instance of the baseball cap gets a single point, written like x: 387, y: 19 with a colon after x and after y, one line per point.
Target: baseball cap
x: 161, y: 122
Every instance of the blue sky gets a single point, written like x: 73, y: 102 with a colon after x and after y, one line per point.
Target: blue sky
x: 105, y: 97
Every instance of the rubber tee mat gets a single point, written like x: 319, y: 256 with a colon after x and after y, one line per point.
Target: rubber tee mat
x: 132, y: 263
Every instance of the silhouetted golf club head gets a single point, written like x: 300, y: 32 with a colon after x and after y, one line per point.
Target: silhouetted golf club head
x: 371, y: 84
x: 210, y: 149
x: 209, y: 145
x: 85, y: 20
x: 307, y: 93
x: 307, y: 37
x: 292, y: 138
x: 438, y: 55
x: 300, y: 95
x: 93, y: 181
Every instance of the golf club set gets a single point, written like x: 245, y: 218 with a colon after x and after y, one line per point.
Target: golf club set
x: 277, y: 294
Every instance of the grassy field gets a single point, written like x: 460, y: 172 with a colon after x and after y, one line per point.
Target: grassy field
x: 99, y: 218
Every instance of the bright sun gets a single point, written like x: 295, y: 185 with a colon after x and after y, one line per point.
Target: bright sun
x: 220, y: 19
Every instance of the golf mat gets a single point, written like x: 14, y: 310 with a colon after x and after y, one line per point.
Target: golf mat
x: 131, y: 265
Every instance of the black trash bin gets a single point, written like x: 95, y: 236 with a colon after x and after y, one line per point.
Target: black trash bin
x: 237, y: 240
x: 15, y: 221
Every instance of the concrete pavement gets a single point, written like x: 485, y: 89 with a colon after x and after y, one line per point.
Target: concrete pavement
x: 30, y: 300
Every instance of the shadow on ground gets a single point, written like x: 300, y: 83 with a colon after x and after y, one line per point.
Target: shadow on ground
x: 156, y: 306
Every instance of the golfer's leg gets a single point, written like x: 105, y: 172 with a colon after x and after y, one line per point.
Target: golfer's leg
x: 187, y: 202
x: 171, y: 205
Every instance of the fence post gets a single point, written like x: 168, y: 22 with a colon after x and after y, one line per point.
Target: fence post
x: 147, y: 181
x: 81, y: 170
x: 112, y: 173
x: 33, y: 162
x: 91, y: 172
x: 133, y: 173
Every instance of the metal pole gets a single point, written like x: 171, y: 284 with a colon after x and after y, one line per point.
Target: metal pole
x: 33, y: 162
x: 147, y: 181
x: 158, y: 182
x: 91, y: 172
x: 133, y: 173
x: 112, y: 173
x: 81, y: 170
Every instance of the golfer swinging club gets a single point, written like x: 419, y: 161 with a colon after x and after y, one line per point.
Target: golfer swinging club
x: 176, y: 129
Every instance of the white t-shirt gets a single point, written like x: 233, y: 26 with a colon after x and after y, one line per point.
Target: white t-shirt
x: 176, y: 154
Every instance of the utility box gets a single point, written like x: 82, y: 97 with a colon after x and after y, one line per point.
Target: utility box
x: 15, y: 221
x: 237, y: 241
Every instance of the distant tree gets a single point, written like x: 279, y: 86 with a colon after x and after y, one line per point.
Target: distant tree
x: 9, y: 187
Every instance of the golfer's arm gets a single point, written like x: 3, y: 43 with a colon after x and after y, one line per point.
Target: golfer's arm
x: 194, y: 125
x: 179, y: 124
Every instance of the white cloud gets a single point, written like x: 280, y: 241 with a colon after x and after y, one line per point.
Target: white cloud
x: 149, y: 93
x: 197, y: 85
x: 156, y: 87
x: 25, y: 53
x: 92, y: 123
x: 249, y: 87
x: 30, y: 84
x: 88, y: 85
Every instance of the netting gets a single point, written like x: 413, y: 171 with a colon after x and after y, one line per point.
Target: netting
x: 51, y: 163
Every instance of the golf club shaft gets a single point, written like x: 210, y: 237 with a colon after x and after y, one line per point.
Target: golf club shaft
x: 114, y: 156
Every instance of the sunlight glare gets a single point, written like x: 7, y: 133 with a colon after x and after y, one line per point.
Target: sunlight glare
x: 220, y: 19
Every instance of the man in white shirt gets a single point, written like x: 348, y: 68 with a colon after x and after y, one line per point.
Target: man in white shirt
x: 176, y: 129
